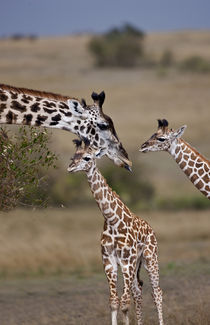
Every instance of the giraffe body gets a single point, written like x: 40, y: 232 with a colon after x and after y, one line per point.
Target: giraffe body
x: 127, y: 241
x: 194, y: 165
x: 31, y: 107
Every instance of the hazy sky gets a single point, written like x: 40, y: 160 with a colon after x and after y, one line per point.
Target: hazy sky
x: 61, y: 17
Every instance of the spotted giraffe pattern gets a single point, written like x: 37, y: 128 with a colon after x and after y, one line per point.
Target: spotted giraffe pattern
x: 194, y: 165
x: 31, y: 107
x: 126, y: 240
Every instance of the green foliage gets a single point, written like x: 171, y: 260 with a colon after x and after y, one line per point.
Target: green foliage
x: 120, y: 47
x: 195, y: 63
x: 24, y: 158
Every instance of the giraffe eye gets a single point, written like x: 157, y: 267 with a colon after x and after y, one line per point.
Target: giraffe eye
x: 161, y: 139
x: 86, y: 158
x: 103, y: 126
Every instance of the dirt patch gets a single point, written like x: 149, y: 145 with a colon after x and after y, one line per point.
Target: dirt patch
x: 82, y: 301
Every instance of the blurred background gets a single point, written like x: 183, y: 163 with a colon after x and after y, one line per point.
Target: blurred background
x: 152, y: 59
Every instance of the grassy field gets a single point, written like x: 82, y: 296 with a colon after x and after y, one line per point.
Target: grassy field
x: 50, y: 262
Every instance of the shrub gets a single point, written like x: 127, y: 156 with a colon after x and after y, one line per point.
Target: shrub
x: 120, y: 47
x: 167, y: 59
x: 24, y: 158
x: 195, y: 64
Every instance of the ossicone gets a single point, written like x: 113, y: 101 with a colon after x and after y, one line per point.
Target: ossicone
x: 162, y: 123
x: 98, y: 98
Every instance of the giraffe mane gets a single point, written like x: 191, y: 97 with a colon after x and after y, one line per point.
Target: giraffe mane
x: 38, y: 93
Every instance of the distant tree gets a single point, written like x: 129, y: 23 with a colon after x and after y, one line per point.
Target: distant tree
x: 119, y: 47
x: 24, y: 159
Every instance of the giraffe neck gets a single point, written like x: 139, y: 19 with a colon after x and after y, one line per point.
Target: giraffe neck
x: 36, y: 108
x: 194, y: 165
x: 112, y: 208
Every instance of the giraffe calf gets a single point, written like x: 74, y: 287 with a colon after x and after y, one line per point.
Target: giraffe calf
x: 127, y: 241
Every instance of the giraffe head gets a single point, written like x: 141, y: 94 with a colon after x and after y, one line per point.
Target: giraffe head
x: 163, y: 139
x: 84, y: 157
x: 99, y: 129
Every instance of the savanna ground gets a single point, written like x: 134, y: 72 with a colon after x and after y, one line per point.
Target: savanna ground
x: 50, y: 264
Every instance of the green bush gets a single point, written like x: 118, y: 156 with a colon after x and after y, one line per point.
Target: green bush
x: 24, y: 159
x: 195, y: 64
x: 120, y: 47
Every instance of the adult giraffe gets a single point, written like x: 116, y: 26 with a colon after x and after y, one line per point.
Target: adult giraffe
x: 32, y: 107
x: 194, y: 165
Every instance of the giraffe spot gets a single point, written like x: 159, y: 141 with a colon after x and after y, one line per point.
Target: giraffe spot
x: 199, y: 185
x: 177, y: 150
x: 106, y: 239
x: 64, y: 105
x: 114, y: 221
x: 14, y: 95
x: 207, y: 188
x: 2, y: 107
x: 206, y: 178
x: 27, y: 119
x: 186, y: 157
x: 17, y: 106
x: 126, y: 253
x: 95, y: 187
x: 82, y: 127
x: 56, y: 117
x: 191, y: 163
x: 54, y: 123
x: 105, y: 206
x: 27, y: 97
x: 65, y: 113
x: 35, y: 107
x: 206, y: 168
x: 40, y: 119
x: 183, y: 164
x: 193, y: 156
x: 96, y: 137
x: 11, y: 117
x: 188, y: 171
x: 193, y: 178
x: 112, y: 205
x: 3, y: 97
x: 49, y: 111
x: 200, y: 171
x: 99, y: 196
x: 119, y: 212
x: 178, y: 159
x: 49, y: 104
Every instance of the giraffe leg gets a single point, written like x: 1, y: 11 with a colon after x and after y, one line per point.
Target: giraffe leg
x: 151, y: 265
x: 128, y: 271
x: 137, y: 293
x: 110, y: 268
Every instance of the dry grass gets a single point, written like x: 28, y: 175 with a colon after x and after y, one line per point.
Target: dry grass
x: 54, y: 241
x: 66, y: 244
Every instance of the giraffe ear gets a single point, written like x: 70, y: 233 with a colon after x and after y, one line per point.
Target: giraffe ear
x: 76, y: 108
x: 179, y: 132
